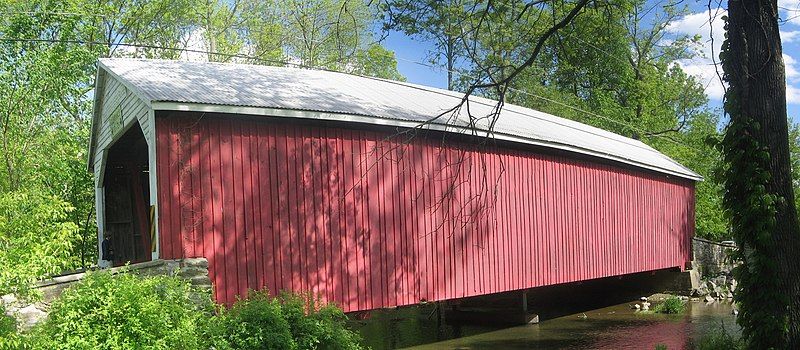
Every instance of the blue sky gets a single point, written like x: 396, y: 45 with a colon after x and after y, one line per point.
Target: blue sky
x: 700, y: 21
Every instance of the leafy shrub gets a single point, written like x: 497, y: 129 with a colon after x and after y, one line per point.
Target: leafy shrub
x: 670, y: 305
x: 719, y: 339
x: 9, y: 338
x: 254, y: 323
x: 288, y: 322
x: 316, y: 326
x: 8, y: 325
x: 124, y: 311
x: 35, y: 236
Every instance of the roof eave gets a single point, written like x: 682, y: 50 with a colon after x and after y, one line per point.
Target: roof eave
x: 377, y: 120
x: 99, y: 87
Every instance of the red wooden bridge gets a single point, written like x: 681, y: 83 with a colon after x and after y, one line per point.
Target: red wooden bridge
x: 304, y: 180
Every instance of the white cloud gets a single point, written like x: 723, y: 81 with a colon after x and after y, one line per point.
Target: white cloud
x: 790, y: 36
x: 792, y: 94
x: 792, y: 75
x: 709, y: 25
x: 195, y: 41
x: 703, y: 24
x: 789, y: 10
x: 791, y: 69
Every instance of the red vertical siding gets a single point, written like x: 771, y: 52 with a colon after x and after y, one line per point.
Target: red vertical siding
x: 369, y: 221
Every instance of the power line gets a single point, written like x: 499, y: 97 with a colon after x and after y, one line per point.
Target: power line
x: 286, y: 63
x: 155, y: 47
x: 618, y: 122
x: 57, y: 13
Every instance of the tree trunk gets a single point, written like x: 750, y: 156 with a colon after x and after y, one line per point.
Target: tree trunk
x: 756, y: 104
x: 450, y: 56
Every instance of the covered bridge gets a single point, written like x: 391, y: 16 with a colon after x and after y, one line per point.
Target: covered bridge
x: 347, y: 186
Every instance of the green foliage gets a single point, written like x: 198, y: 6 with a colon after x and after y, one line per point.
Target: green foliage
x: 35, y: 239
x: 45, y: 119
x: 698, y: 150
x: 255, y: 323
x: 46, y: 89
x: 614, y: 61
x: 611, y: 61
x: 8, y: 326
x: 124, y: 311
x: 376, y: 61
x: 315, y: 325
x: 794, y: 150
x: 330, y: 34
x: 288, y: 322
x: 670, y: 305
x: 718, y: 339
x: 436, y: 22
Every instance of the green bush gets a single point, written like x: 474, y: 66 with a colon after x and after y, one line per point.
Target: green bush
x: 124, y: 312
x: 317, y: 326
x: 288, y: 322
x: 8, y: 331
x: 719, y: 339
x: 8, y: 326
x: 253, y: 323
x: 670, y: 305
x: 35, y: 236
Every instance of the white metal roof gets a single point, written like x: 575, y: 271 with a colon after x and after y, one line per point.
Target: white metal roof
x: 306, y: 93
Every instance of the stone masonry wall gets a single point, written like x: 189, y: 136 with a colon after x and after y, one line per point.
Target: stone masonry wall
x: 28, y: 314
x: 714, y: 266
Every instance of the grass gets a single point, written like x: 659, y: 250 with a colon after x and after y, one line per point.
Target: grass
x: 718, y: 339
x: 670, y: 305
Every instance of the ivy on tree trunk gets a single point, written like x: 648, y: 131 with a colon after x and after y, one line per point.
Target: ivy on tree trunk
x: 759, y: 199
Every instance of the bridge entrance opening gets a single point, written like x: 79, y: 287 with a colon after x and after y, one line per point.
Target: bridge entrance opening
x: 127, y: 225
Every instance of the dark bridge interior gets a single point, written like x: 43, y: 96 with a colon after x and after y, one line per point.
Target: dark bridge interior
x: 127, y: 191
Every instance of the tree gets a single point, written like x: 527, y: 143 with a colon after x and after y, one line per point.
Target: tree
x: 133, y: 28
x: 45, y: 127
x: 35, y: 239
x: 327, y: 34
x: 376, y: 61
x: 48, y: 55
x: 759, y: 196
x: 242, y: 27
x: 611, y: 60
x: 432, y: 20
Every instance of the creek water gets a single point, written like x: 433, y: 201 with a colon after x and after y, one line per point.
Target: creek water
x: 613, y: 327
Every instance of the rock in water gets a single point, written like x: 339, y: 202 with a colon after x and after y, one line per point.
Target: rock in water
x: 709, y: 299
